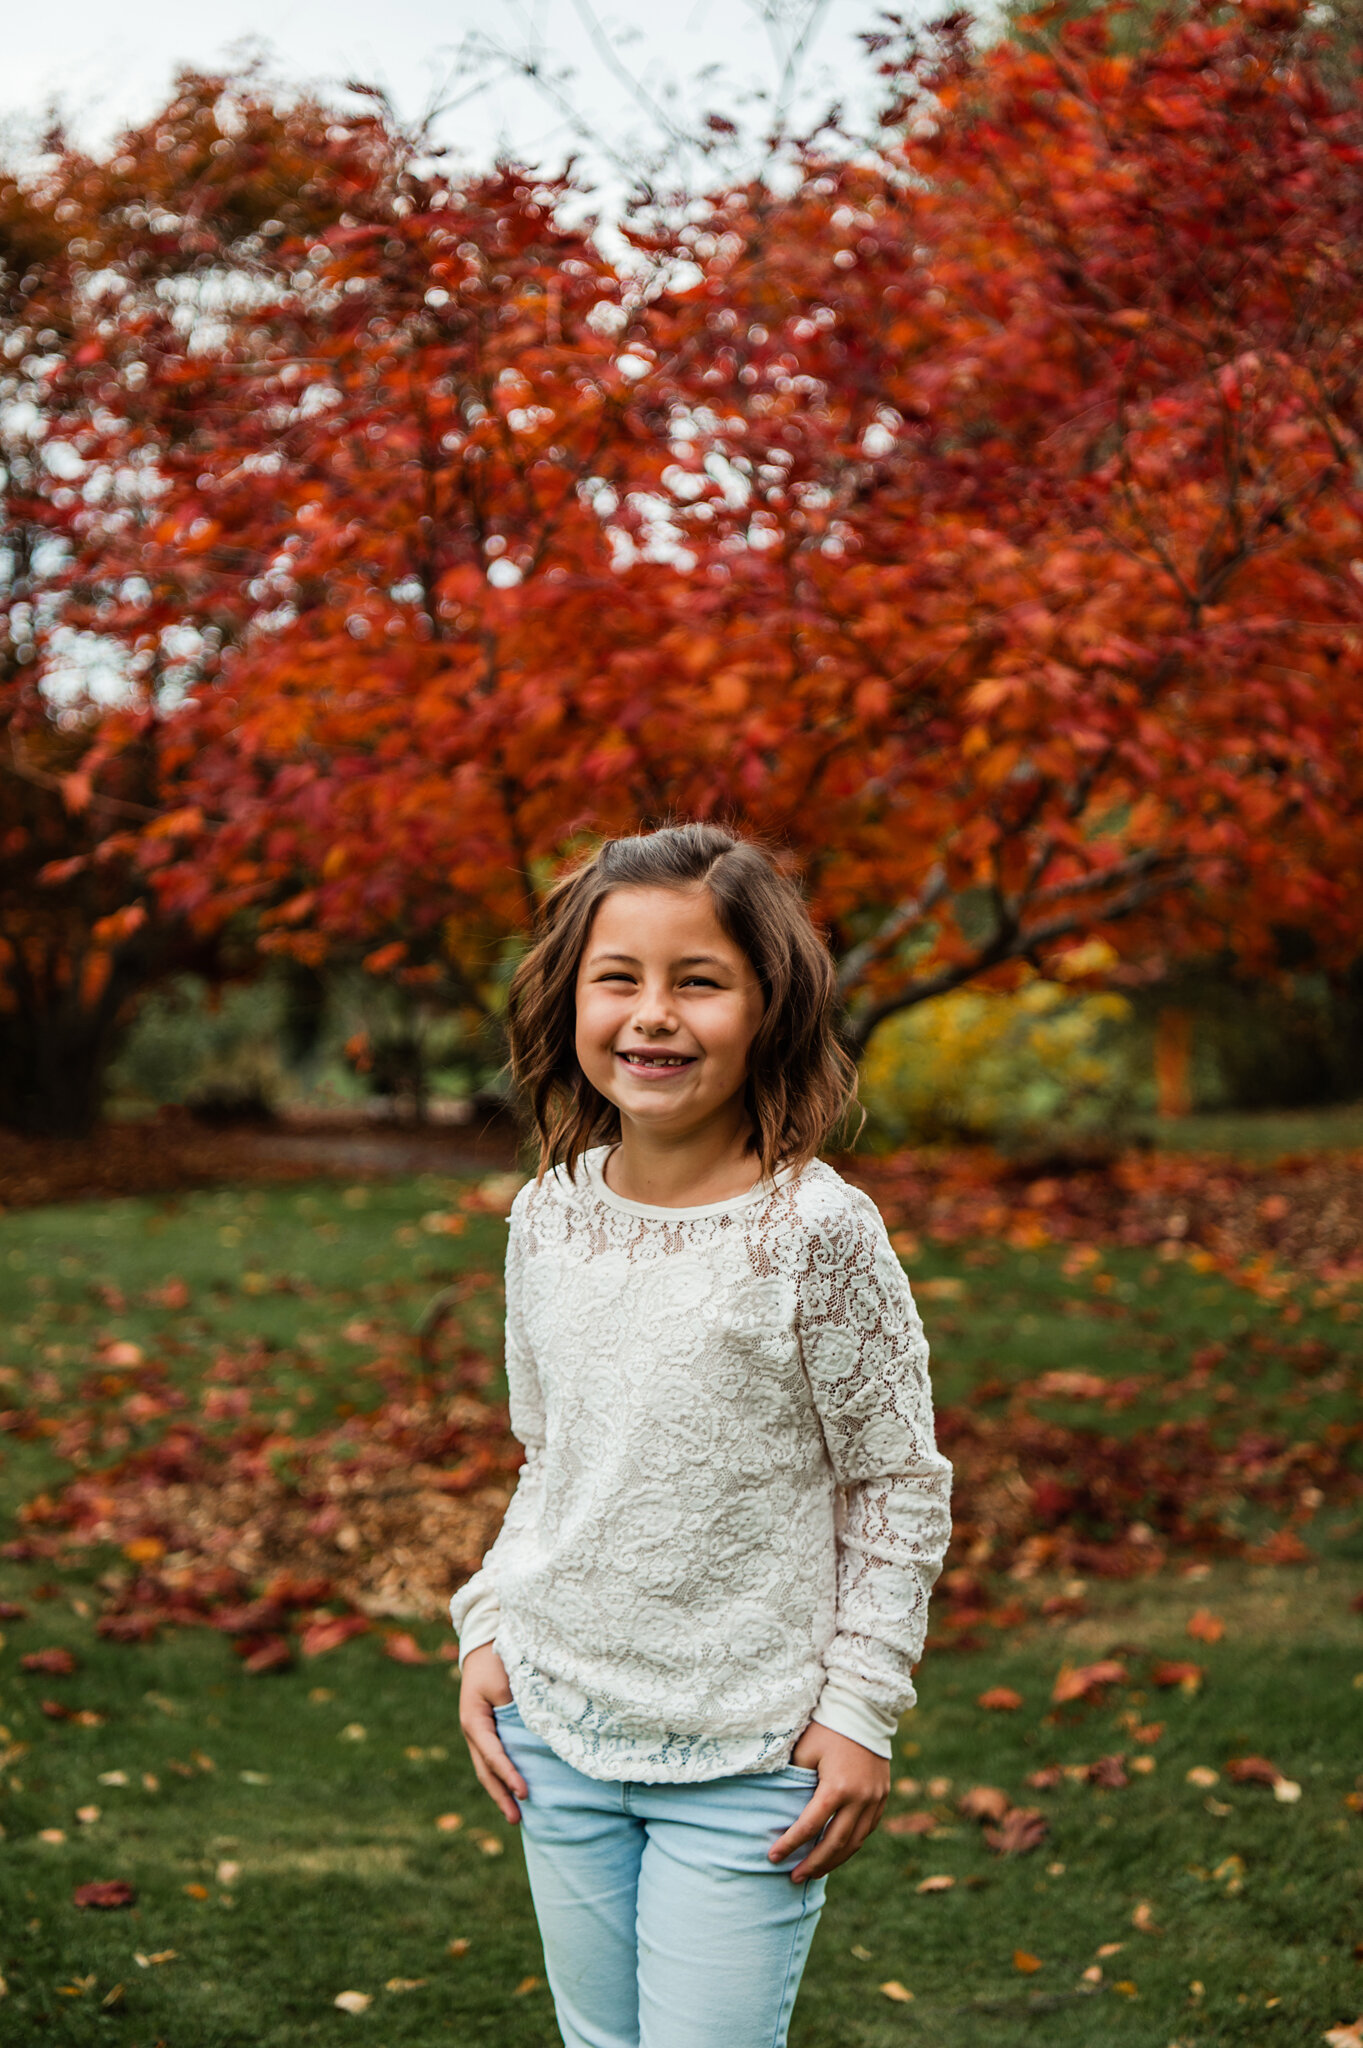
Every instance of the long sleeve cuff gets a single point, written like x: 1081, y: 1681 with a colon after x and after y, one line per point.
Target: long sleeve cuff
x: 847, y: 1712
x: 480, y: 1624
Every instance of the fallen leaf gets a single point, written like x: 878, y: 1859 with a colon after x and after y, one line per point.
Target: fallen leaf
x: 1046, y: 1779
x: 227, y: 1874
x: 320, y: 1636
x: 275, y: 1653
x: 162, y: 1955
x: 1287, y: 1791
x: 1143, y: 1918
x: 526, y: 1984
x: 403, y: 1647
x: 1109, y: 1772
x: 1142, y: 1764
x: 1026, y: 1962
x: 1252, y: 1770
x: 1346, y: 2037
x: 113, y: 1777
x: 1022, y: 1829
x: 87, y: 1815
x: 107, y: 1894
x: 1203, y: 1776
x: 1284, y: 1546
x: 448, y: 1822
x: 983, y: 1802
x: 11, y: 1611
x: 195, y: 1891
x: 863, y: 1955
x: 1170, y: 1671
x: 1000, y: 1699
x: 1086, y: 1681
x: 910, y: 1824
x: 1092, y: 1975
x: 54, y: 1663
x: 898, y: 1993
x: 354, y: 1731
x: 936, y: 1884
x: 54, y: 1837
x: 254, y: 1777
x: 459, y: 1946
x: 405, y: 1983
x: 1147, y: 1732
x: 1125, y: 1988
x: 1205, y: 1627
x: 1109, y: 1948
x: 352, y: 2001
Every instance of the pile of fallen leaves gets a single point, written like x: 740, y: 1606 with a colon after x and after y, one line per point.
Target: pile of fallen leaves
x: 1255, y: 1219
x: 379, y: 1515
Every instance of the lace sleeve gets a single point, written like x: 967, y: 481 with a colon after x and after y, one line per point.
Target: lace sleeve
x: 474, y: 1609
x: 866, y: 1358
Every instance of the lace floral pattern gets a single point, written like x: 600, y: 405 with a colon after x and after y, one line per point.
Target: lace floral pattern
x: 731, y: 1494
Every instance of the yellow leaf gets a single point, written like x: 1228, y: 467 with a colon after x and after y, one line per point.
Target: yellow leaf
x: 352, y: 2001
x: 1125, y: 1987
x: 527, y: 1984
x: 899, y: 1993
x: 936, y: 1884
x: 404, y: 1984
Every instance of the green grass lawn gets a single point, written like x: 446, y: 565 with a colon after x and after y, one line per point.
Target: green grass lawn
x: 281, y: 1831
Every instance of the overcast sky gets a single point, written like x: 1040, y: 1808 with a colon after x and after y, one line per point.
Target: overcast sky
x: 108, y: 64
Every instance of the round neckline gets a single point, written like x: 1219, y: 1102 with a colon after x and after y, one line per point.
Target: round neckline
x: 595, y: 1160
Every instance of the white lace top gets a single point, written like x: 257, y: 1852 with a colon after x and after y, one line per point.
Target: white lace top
x: 732, y: 1509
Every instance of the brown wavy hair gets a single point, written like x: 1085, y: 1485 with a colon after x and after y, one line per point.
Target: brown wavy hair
x: 802, y: 1082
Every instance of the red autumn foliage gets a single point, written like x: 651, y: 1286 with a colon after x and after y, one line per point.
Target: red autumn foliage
x: 974, y: 512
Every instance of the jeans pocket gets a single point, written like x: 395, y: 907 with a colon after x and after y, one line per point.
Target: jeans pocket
x: 802, y: 1773
x: 504, y: 1712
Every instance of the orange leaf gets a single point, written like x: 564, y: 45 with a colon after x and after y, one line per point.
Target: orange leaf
x: 1000, y: 1699
x: 1026, y: 1962
x: 1087, y: 1680
x: 1205, y: 1627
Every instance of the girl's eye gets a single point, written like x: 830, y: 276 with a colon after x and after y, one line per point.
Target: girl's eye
x: 699, y: 981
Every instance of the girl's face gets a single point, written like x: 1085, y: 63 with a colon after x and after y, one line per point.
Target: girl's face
x: 667, y: 1007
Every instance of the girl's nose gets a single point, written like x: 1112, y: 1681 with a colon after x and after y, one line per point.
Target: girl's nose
x: 653, y: 1011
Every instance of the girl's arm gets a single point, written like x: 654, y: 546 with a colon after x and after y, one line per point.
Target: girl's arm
x: 474, y: 1609
x: 867, y: 1361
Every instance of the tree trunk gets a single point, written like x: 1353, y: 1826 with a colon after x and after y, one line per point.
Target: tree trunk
x: 52, y: 1068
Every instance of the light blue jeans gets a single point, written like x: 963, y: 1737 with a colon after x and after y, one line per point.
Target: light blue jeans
x: 664, y: 1925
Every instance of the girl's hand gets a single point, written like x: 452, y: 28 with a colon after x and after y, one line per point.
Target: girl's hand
x: 853, y: 1787
x: 484, y: 1686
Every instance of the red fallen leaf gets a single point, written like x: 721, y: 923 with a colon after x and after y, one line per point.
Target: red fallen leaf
x: 910, y: 1824
x: 1108, y: 1771
x: 1064, y: 1604
x: 1046, y: 1779
x: 1172, y: 1671
x: 403, y: 1647
x: 1284, y: 1546
x: 321, y: 1636
x: 54, y: 1663
x: 1087, y: 1680
x: 55, y: 1710
x: 983, y: 1802
x: 1205, y: 1627
x: 1021, y: 1830
x: 171, y: 1294
x: 137, y: 1627
x: 11, y: 1611
x: 1253, y: 1770
x: 107, y: 1894
x: 1000, y: 1699
x: 262, y: 1654
x: 1355, y: 1605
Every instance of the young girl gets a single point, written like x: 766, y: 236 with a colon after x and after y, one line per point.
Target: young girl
x: 687, y: 1651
